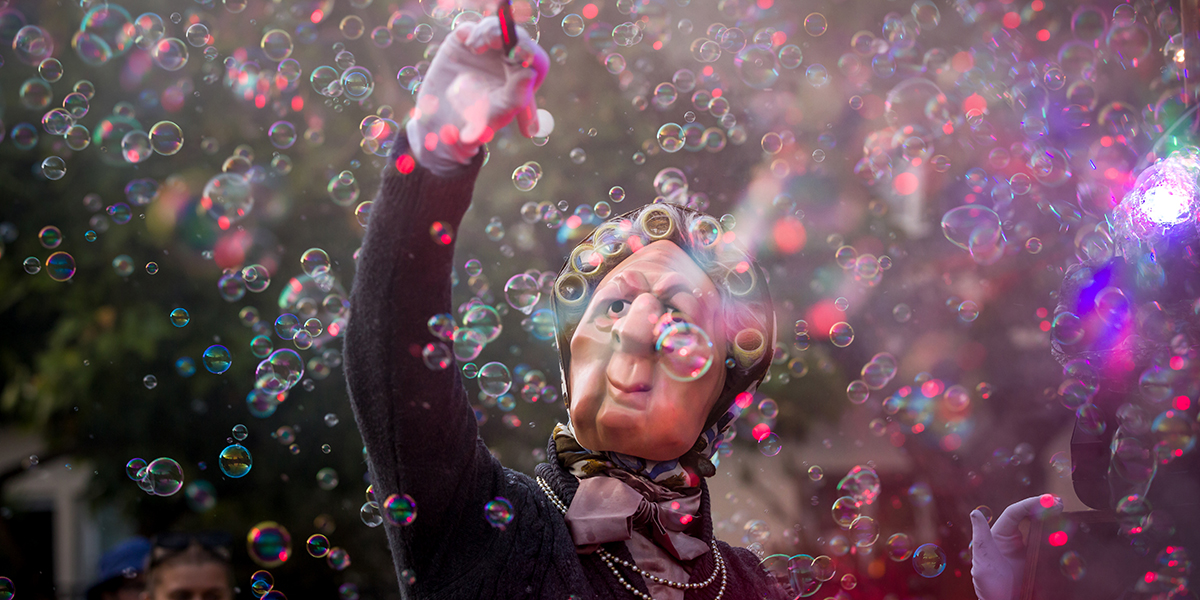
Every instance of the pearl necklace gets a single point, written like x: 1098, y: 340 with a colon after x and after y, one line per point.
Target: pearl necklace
x: 609, y: 559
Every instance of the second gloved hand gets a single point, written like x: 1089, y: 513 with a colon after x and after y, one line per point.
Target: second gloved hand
x: 998, y: 552
x: 471, y: 91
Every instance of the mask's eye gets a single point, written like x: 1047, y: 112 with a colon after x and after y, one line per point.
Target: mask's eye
x: 617, y: 309
x: 673, y: 315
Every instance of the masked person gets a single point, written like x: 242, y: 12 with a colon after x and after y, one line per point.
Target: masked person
x: 621, y: 509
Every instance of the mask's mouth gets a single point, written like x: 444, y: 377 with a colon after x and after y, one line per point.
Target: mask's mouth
x: 629, y: 388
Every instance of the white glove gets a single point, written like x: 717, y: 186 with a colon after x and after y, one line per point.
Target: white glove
x: 471, y: 91
x: 998, y: 553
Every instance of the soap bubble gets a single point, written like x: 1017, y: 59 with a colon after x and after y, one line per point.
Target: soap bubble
x: 399, y: 510
x: 685, y: 351
x: 357, y: 83
x: 261, y: 346
x: 227, y: 198
x: 1072, y: 565
x: 197, y: 35
x: 235, y: 461
x: 768, y: 408
x: 326, y: 81
x: 261, y: 582
x: 573, y: 25
x: 134, y: 467
x: 499, y: 512
x: 317, y: 545
x: 240, y: 432
x: 32, y: 44
x: 60, y: 266
x: 287, y: 325
x: 166, y: 138
x: 280, y: 371
x: 369, y: 513
x: 665, y: 94
x: 899, y: 547
x: 162, y: 477
x: 525, y: 177
x: 926, y: 13
x: 815, y: 24
x: 615, y: 63
x: 864, y: 531
x: 861, y: 483
x: 817, y: 75
x: 327, y: 478
x: 494, y: 379
x: 670, y: 137
x: 337, y: 559
x: 485, y: 320
x: 857, y: 391
x: 437, y: 356
x: 269, y: 544
x: 1067, y: 328
x: 917, y: 101
x: 217, y: 359
x: 314, y: 259
x: 757, y: 66
x: 770, y: 445
x: 967, y: 226
x: 180, y: 317
x: 343, y: 188
x: 54, y: 168
x: 276, y: 44
x: 282, y: 135
x: 135, y: 146
x: 929, y: 560
x: 968, y: 311
x: 170, y: 54
x: 845, y: 510
x: 522, y: 292
x: 468, y: 343
x: 790, y: 56
x: 841, y: 334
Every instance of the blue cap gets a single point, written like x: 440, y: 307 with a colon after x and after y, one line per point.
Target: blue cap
x: 127, y: 557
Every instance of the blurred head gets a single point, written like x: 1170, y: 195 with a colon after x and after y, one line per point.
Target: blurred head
x: 189, y: 567
x: 624, y: 293
x: 620, y: 399
x: 121, y: 571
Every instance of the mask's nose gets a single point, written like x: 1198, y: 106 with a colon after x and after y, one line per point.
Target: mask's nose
x: 634, y: 333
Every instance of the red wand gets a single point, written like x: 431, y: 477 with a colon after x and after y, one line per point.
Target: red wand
x: 508, y: 27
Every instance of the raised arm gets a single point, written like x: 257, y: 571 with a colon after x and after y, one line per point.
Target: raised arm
x: 416, y: 422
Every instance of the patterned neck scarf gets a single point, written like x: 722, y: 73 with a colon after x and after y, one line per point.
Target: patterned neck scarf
x: 669, y: 474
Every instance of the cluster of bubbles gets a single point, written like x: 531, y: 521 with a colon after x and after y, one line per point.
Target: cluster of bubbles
x: 875, y: 375
x: 160, y: 477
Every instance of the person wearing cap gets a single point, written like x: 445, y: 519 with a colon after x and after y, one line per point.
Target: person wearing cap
x: 121, y: 571
x: 663, y: 332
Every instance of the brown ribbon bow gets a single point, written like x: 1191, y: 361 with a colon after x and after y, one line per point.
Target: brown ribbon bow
x: 606, y: 509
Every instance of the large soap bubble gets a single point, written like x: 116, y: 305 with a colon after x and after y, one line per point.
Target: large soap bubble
x: 228, y: 198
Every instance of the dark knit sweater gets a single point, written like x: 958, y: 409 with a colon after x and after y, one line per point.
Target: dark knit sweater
x: 422, y: 439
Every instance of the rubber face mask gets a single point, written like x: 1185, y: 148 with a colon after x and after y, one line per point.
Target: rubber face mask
x: 674, y: 322
x: 648, y: 356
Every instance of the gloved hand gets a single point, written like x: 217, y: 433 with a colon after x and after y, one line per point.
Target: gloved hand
x: 998, y: 552
x: 471, y: 91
